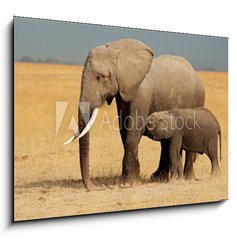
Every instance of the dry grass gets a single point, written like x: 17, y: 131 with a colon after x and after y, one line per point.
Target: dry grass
x: 47, y: 174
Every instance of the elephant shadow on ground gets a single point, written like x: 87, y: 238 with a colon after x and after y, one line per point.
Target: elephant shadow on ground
x: 72, y: 183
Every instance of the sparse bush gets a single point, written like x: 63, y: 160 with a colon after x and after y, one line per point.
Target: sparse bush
x: 26, y: 59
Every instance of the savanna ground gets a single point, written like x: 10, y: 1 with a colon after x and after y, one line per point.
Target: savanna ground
x: 47, y: 179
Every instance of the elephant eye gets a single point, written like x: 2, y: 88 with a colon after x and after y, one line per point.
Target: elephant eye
x: 100, y: 76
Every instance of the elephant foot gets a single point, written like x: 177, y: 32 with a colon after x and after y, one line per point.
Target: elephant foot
x: 160, y: 175
x: 215, y: 172
x: 130, y: 179
x: 177, y: 179
x: 189, y: 175
x: 130, y: 175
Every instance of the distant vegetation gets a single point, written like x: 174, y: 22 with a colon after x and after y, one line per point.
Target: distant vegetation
x: 209, y: 69
x: 79, y: 61
x: 48, y: 60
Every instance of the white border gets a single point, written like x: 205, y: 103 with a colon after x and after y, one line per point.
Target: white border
x: 214, y: 221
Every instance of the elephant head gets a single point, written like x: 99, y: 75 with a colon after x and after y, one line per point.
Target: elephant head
x: 115, y: 68
x: 160, y: 125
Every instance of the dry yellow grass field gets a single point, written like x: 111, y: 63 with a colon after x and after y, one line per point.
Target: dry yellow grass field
x: 47, y: 179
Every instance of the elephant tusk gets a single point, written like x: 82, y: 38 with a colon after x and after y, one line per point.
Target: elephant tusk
x: 90, y: 123
x: 86, y: 129
x: 75, y: 135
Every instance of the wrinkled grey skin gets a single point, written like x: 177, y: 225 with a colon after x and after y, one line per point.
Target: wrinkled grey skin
x: 195, y: 130
x: 126, y: 70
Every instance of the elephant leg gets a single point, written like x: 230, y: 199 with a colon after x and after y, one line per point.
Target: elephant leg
x: 188, y: 167
x: 180, y: 167
x: 162, y: 172
x: 135, y: 128
x: 123, y: 112
x: 212, y: 154
x: 175, y: 158
x: 131, y: 166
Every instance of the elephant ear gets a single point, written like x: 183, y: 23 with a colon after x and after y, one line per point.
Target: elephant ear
x: 134, y: 59
x: 168, y: 123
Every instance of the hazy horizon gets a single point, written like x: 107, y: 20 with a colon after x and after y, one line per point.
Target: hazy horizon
x: 71, y: 42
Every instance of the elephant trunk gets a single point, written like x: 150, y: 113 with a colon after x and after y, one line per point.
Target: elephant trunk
x: 84, y: 149
x: 85, y: 122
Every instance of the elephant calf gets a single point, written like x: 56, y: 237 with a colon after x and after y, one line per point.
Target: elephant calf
x: 195, y: 130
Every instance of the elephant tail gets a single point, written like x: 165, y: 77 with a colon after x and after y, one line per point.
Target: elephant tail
x: 219, y: 132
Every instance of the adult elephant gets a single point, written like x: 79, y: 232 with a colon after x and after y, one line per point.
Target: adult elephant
x: 125, y: 69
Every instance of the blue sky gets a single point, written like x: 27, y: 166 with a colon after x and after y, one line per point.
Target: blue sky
x: 72, y: 42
